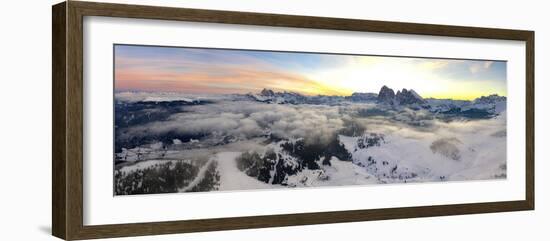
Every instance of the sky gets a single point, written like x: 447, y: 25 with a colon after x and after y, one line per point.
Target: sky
x: 222, y: 71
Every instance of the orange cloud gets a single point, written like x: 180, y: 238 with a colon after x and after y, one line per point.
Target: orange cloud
x: 139, y: 75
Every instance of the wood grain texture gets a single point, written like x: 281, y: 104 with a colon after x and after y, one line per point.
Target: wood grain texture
x: 67, y: 100
x: 74, y: 121
x: 121, y: 230
x: 264, y: 19
x: 59, y: 192
x: 530, y: 120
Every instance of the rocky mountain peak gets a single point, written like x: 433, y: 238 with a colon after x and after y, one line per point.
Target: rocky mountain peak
x: 407, y: 97
x: 386, y: 95
x: 267, y: 92
x: 402, y: 97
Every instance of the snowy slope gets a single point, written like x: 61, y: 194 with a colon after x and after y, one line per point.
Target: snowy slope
x: 232, y: 178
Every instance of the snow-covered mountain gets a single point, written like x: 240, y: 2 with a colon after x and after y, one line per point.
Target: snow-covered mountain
x: 367, y: 159
x: 386, y: 95
x: 169, y: 142
x: 493, y: 103
x: 484, y: 106
x: 362, y: 97
x: 272, y: 97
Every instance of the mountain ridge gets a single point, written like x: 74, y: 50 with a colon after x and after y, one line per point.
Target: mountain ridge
x: 386, y: 95
x: 405, y: 98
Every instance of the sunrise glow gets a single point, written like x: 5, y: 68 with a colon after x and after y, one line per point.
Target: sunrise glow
x: 196, y: 70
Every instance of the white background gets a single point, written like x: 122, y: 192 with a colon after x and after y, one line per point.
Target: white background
x: 26, y: 121
x: 100, y: 207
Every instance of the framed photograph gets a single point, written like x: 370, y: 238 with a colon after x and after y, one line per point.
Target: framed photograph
x: 171, y: 120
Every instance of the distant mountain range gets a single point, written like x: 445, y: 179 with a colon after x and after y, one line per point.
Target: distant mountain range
x: 386, y: 98
x: 492, y: 104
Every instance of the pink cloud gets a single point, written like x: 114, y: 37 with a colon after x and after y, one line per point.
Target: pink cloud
x: 194, y: 77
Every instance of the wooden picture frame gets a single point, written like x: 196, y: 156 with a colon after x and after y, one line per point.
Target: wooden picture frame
x: 67, y: 137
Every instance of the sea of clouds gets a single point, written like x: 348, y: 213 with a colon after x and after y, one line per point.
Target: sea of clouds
x: 454, y: 148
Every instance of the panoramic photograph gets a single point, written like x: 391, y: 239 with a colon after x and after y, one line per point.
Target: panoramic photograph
x: 204, y: 119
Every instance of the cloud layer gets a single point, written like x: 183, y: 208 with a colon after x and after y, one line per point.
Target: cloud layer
x: 248, y: 119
